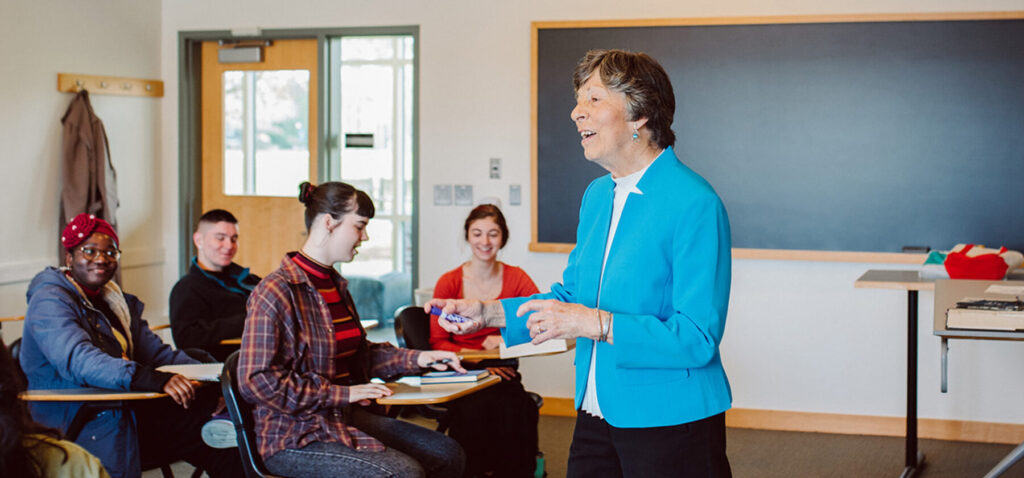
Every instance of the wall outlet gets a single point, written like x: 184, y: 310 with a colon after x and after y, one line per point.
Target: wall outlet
x: 463, y: 194
x: 515, y: 194
x: 442, y: 194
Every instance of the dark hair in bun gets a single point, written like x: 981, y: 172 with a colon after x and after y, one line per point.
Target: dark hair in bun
x: 335, y: 198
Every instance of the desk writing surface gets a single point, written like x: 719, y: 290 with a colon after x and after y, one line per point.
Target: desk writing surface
x: 86, y: 394
x: 407, y: 392
x: 893, y: 279
x: 949, y: 291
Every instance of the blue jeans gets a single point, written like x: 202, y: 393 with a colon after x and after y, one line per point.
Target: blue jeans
x: 412, y: 451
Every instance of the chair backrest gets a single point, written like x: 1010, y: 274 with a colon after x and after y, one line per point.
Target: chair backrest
x: 15, y: 350
x: 241, y: 417
x: 412, y: 328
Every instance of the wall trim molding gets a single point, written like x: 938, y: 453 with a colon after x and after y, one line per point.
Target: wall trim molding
x: 782, y: 420
x: 21, y: 271
x: 131, y: 258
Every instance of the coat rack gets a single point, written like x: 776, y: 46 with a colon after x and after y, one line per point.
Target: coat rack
x: 109, y: 85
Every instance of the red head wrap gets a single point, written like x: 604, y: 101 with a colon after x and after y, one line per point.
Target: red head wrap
x: 83, y: 226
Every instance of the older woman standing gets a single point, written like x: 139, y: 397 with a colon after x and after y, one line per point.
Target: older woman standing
x: 645, y: 291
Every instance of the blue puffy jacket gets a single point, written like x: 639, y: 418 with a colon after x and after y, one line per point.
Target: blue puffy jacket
x: 67, y: 343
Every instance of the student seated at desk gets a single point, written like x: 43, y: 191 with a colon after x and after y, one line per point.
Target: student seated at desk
x: 208, y: 304
x: 497, y: 427
x: 28, y: 449
x: 305, y: 363
x: 81, y: 330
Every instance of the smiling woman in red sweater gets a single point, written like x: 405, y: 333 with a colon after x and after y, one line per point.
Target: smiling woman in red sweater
x: 507, y: 444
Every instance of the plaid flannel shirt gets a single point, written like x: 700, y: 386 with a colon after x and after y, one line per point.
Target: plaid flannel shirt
x: 286, y: 362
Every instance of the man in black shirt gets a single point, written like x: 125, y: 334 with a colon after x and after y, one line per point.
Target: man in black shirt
x: 208, y: 303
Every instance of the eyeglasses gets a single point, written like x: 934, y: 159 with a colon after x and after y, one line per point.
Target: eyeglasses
x: 93, y: 253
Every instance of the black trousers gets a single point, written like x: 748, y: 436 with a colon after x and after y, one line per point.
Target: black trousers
x: 497, y: 427
x: 168, y: 432
x: 695, y: 449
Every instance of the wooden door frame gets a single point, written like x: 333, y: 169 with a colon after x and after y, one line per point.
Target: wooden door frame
x: 190, y: 121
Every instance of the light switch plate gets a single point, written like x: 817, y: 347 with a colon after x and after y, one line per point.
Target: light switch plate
x: 495, y: 168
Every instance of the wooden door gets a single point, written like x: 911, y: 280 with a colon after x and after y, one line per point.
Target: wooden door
x: 262, y: 189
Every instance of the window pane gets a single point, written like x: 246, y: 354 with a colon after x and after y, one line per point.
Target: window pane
x: 367, y: 48
x: 367, y: 107
x: 374, y: 258
x: 266, y: 132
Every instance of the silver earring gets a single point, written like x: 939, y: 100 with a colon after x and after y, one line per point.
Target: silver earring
x: 636, y: 134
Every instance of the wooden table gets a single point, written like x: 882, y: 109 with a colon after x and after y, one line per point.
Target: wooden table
x: 367, y: 325
x: 947, y: 293
x: 86, y: 394
x: 911, y: 282
x: 408, y: 392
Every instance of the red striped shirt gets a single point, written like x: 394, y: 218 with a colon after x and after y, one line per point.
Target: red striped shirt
x: 347, y: 333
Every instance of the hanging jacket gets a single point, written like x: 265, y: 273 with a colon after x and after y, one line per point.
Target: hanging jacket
x: 89, y: 179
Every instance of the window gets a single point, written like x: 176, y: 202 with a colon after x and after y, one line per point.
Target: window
x: 375, y: 143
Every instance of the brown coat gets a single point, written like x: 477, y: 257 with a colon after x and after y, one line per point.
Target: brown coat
x: 90, y: 182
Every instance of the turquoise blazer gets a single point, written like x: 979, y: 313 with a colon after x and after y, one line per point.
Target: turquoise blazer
x: 667, y: 282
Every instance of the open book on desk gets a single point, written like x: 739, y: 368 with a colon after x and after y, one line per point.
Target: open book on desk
x: 200, y: 372
x: 523, y: 350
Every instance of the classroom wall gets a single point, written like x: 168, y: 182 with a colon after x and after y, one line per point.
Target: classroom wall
x: 799, y: 336
x: 40, y: 39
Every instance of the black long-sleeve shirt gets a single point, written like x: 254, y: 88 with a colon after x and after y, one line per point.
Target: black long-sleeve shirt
x: 207, y: 307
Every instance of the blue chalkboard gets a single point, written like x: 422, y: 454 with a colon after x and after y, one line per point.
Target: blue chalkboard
x: 862, y: 136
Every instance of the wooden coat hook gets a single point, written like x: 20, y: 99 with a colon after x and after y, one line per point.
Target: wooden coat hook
x: 109, y: 85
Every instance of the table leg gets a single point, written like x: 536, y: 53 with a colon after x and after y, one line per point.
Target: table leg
x: 914, y: 460
x: 944, y: 351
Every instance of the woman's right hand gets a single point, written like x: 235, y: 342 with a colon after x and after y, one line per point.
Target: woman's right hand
x: 362, y: 394
x: 181, y: 390
x: 468, y: 308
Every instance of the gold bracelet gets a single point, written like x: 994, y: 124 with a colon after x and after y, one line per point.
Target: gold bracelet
x: 600, y: 324
x: 608, y: 326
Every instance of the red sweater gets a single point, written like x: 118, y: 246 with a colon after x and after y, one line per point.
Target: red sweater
x: 514, y: 283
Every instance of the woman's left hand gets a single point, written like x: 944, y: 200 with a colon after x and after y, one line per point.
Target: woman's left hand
x: 554, y: 319
x: 440, y: 360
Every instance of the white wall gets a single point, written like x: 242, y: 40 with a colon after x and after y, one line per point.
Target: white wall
x: 40, y: 39
x: 799, y: 337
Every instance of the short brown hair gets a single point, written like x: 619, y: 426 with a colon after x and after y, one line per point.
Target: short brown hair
x: 644, y: 82
x: 488, y: 210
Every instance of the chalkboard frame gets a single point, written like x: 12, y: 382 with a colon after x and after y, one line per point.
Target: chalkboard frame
x: 536, y: 245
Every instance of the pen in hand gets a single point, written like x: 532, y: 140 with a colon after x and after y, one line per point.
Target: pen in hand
x: 440, y: 361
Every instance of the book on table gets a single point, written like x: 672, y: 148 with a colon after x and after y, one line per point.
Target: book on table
x: 552, y: 346
x: 986, y: 314
x: 200, y: 372
x: 451, y: 376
